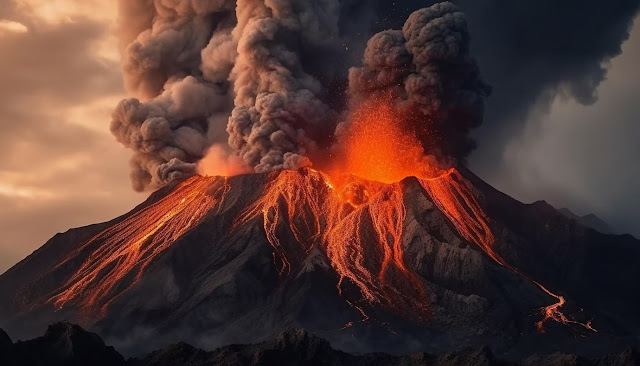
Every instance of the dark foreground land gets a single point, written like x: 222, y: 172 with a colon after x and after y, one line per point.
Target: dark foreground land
x: 67, y: 344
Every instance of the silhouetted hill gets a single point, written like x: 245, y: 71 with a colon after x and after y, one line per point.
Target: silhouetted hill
x: 67, y: 345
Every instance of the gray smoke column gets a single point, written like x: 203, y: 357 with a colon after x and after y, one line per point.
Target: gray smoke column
x: 277, y: 101
x: 426, y: 68
x: 177, y: 56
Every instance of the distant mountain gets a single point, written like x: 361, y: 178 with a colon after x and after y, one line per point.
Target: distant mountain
x: 422, y: 265
x: 68, y: 345
x: 591, y: 221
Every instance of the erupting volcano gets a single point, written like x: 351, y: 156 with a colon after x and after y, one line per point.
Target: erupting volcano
x: 317, y: 249
x: 360, y: 224
x: 379, y: 219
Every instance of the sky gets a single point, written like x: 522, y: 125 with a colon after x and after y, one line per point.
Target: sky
x: 60, y: 167
x: 582, y: 157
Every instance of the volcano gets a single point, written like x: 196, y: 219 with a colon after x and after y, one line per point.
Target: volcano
x: 419, y: 264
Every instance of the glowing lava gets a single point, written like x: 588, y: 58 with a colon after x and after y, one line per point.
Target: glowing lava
x: 119, y: 255
x: 455, y: 199
x: 355, y: 214
x: 375, y: 147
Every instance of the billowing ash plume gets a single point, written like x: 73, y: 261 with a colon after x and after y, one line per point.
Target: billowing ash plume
x: 178, y: 61
x: 252, y: 65
x: 177, y: 58
x: 265, y: 79
x: 427, y: 69
x: 277, y: 102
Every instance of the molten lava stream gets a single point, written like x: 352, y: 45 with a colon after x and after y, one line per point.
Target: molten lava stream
x: 125, y: 250
x: 377, y: 268
x: 455, y: 199
x: 317, y: 215
x: 303, y: 211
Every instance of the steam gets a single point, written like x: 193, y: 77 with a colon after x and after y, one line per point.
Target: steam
x: 427, y: 69
x: 221, y: 161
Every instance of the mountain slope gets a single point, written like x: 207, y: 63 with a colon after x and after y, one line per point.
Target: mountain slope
x: 215, y: 261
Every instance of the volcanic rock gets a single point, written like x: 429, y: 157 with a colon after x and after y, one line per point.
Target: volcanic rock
x: 186, y: 266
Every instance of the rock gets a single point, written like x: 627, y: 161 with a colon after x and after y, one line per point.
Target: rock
x: 6, y: 349
x: 66, y: 344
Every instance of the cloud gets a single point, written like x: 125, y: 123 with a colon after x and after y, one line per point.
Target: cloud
x: 586, y: 157
x: 9, y: 26
x: 177, y: 57
x: 427, y: 69
x: 529, y: 51
x: 59, y: 165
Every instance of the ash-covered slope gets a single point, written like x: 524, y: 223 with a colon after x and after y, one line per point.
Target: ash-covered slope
x: 397, y: 268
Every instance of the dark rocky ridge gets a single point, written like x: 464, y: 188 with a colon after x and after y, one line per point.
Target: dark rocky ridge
x: 590, y: 220
x: 65, y: 344
x: 212, y: 288
x: 62, y: 344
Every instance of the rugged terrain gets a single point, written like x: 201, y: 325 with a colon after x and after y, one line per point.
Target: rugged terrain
x: 66, y: 344
x: 219, y: 261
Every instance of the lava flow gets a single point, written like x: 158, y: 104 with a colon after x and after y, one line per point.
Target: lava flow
x: 360, y: 226
x: 119, y: 255
x: 354, y: 211
x: 455, y: 199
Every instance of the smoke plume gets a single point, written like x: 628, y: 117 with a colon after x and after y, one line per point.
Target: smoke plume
x: 277, y: 101
x: 427, y: 69
x: 266, y: 80
x: 177, y: 58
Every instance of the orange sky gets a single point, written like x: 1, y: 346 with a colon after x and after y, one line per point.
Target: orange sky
x: 60, y: 167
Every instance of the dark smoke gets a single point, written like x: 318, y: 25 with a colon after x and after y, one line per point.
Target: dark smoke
x: 427, y: 68
x: 529, y: 51
x: 277, y: 101
x: 290, y: 61
x: 176, y: 61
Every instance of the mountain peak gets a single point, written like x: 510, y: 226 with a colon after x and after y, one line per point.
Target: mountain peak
x: 590, y: 221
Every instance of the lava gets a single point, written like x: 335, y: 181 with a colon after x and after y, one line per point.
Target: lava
x: 374, y: 146
x: 120, y: 254
x: 456, y: 200
x: 353, y: 210
x: 356, y: 214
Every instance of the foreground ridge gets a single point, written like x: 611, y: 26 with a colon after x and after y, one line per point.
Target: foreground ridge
x: 67, y: 344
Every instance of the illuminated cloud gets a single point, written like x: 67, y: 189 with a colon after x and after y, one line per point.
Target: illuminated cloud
x: 9, y: 26
x: 59, y: 164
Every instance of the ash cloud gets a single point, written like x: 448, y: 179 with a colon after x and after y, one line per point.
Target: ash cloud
x: 274, y: 74
x: 427, y: 69
x: 277, y: 102
x: 177, y: 57
x: 529, y: 51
